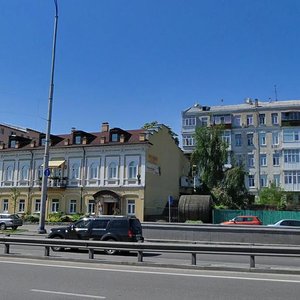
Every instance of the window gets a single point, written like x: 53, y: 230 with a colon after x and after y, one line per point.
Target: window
x: 276, y: 180
x: 5, y: 205
x: 291, y: 155
x: 274, y: 117
x: 43, y: 141
x: 55, y: 206
x: 9, y: 174
x: 75, y: 171
x: 24, y: 173
x: 204, y: 121
x: 115, y: 137
x: 112, y: 170
x: 93, y: 174
x: 78, y: 139
x: 249, y: 119
x: 262, y: 119
x: 188, y: 140
x: 250, y: 139
x: 132, y: 170
x: 131, y: 207
x: 291, y: 136
x: 250, y: 160
x: 238, y: 140
x: 275, y: 138
x: 237, y: 121
x: 91, y: 207
x: 276, y: 159
x: 292, y: 177
x: 263, y: 160
x: 263, y: 181
x: 251, y: 181
x: 226, y: 137
x: 100, y: 224
x: 13, y: 144
x: 37, y: 205
x: 22, y: 206
x: 189, y: 121
x: 262, y: 138
x: 72, y: 208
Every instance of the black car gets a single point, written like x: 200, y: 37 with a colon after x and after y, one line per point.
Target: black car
x: 103, y: 228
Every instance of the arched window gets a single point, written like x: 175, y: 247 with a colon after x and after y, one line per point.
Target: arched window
x: 132, y: 170
x: 93, y: 172
x: 9, y: 173
x: 112, y: 170
x: 75, y: 171
x: 24, y: 173
x: 40, y: 171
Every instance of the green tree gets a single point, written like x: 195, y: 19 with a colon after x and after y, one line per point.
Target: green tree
x: 210, y: 155
x: 272, y: 195
x: 154, y: 124
x: 232, y: 192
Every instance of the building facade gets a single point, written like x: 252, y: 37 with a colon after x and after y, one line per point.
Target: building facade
x: 113, y: 171
x: 263, y: 136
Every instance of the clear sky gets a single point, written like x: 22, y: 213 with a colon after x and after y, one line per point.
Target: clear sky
x: 129, y: 62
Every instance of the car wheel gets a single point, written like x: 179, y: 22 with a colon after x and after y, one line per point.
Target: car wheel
x: 110, y: 251
x: 57, y: 248
x: 2, y: 226
x: 14, y: 227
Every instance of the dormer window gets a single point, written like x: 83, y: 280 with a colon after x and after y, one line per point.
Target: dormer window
x: 13, y: 144
x: 115, y: 137
x: 78, y: 139
x: 43, y: 141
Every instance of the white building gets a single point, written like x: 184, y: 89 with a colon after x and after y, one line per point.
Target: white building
x: 264, y: 136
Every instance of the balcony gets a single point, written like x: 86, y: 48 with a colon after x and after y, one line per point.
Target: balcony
x: 55, y: 182
x: 291, y: 118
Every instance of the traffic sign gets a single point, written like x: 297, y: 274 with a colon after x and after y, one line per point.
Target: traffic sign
x: 47, y: 172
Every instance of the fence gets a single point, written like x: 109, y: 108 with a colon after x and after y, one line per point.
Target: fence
x: 140, y: 248
x: 266, y: 216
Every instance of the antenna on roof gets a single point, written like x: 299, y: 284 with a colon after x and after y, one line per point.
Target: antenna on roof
x: 275, y: 90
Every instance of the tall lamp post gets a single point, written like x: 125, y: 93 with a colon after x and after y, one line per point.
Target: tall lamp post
x: 45, y: 175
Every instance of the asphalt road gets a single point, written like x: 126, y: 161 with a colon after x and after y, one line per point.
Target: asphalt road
x: 29, y: 279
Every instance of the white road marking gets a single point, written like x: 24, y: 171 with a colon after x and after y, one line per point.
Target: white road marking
x: 68, y: 294
x: 152, y: 272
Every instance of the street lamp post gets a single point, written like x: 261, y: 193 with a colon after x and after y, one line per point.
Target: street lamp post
x: 41, y: 228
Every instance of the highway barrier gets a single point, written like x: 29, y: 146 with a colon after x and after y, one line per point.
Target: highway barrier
x: 251, y: 250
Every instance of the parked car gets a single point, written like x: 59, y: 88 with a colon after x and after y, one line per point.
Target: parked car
x: 10, y: 221
x: 243, y: 220
x: 103, y: 228
x: 286, y: 223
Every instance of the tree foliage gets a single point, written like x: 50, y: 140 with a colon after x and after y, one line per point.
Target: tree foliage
x: 226, y: 185
x: 210, y: 155
x: 273, y: 195
x: 154, y: 124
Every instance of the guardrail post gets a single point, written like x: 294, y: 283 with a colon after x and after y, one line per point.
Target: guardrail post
x: 47, y: 251
x: 6, y: 248
x: 252, y: 261
x: 91, y: 253
x: 194, y: 259
x: 140, y: 256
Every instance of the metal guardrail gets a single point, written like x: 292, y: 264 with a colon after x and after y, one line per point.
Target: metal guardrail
x: 250, y: 250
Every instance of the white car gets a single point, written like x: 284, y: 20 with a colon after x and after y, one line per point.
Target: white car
x: 287, y: 223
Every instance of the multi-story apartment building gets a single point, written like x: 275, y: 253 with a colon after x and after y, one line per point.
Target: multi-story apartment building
x: 111, y: 171
x: 263, y: 136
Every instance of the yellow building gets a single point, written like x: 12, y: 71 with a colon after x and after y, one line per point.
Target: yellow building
x: 113, y: 171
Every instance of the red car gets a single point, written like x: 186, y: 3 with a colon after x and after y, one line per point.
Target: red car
x: 244, y: 220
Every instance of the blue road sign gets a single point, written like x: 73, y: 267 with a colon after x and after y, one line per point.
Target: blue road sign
x: 47, y: 172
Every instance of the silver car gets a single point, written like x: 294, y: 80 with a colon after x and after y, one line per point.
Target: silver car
x: 10, y: 221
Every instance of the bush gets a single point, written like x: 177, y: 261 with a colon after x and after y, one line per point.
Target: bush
x: 55, y: 217
x: 31, y: 218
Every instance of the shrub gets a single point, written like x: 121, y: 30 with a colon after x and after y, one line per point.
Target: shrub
x: 31, y: 218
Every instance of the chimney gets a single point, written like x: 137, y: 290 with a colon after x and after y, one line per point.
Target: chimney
x: 105, y: 127
x: 256, y: 102
x: 102, y: 140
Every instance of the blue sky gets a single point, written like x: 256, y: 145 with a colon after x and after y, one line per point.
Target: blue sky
x: 129, y: 62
